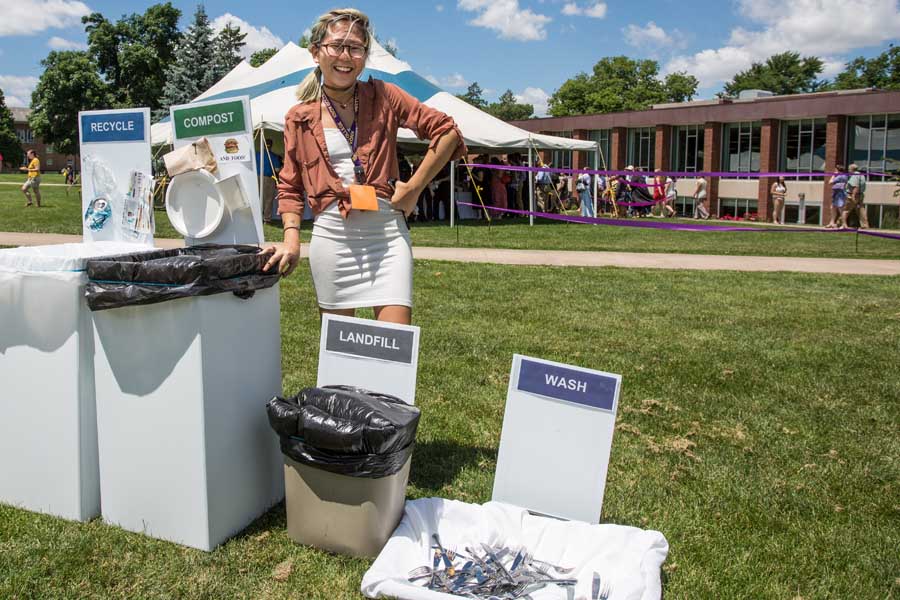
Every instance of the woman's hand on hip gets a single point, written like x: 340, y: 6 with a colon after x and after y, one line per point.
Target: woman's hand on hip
x: 284, y: 258
x: 405, y: 197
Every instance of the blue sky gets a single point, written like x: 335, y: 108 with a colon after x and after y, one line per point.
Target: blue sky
x: 528, y: 46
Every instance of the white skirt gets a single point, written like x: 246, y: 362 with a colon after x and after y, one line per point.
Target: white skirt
x: 364, y: 260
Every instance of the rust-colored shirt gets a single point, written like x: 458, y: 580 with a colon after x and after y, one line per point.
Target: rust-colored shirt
x: 383, y: 109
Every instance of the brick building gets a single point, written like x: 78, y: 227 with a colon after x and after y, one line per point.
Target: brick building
x: 51, y: 161
x: 756, y: 133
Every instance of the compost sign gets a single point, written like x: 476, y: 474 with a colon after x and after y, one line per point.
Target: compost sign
x: 556, y: 440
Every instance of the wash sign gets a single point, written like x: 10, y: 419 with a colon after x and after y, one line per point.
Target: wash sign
x: 377, y: 356
x: 209, y: 119
x: 112, y: 127
x: 556, y: 440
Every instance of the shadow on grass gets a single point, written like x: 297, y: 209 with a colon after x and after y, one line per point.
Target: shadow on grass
x: 439, y: 462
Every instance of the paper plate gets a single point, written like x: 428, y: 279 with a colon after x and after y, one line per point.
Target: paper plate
x: 194, y: 204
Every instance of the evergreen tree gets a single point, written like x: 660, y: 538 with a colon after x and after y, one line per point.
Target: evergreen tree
x: 475, y: 96
x: 508, y: 109
x: 261, y: 56
x: 10, y: 147
x: 192, y: 71
x: 227, y: 50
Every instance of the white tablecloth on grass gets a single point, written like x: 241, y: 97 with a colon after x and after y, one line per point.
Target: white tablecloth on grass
x: 627, y: 557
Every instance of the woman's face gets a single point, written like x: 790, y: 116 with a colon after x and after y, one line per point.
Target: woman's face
x: 343, y: 70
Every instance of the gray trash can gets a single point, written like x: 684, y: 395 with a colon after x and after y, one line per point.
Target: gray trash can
x: 347, y: 456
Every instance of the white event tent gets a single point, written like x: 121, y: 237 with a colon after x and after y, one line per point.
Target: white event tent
x: 272, y: 85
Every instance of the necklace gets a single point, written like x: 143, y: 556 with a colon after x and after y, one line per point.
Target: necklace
x: 345, y: 103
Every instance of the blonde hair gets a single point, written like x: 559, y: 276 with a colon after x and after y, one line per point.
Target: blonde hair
x: 311, y: 86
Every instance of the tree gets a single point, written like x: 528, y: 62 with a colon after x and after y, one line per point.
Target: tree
x: 261, y: 56
x: 781, y: 74
x: 508, y: 109
x: 227, y: 48
x: 619, y: 83
x: 10, y: 147
x: 70, y: 83
x: 389, y: 46
x: 475, y: 96
x: 681, y: 87
x: 304, y: 41
x: 134, y: 53
x: 191, y: 72
x: 882, y: 72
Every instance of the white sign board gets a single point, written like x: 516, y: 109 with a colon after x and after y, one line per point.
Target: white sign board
x: 378, y: 356
x: 556, y: 439
x: 228, y: 126
x: 116, y: 175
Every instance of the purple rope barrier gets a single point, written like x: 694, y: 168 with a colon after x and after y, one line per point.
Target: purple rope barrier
x: 679, y: 174
x: 676, y: 226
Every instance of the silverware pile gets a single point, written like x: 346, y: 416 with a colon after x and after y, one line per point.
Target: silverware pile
x: 488, y: 573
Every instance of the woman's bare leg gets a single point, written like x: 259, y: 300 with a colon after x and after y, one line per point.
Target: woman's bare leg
x: 394, y: 314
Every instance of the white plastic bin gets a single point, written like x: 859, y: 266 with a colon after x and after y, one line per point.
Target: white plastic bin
x: 186, y: 453
x: 48, y: 429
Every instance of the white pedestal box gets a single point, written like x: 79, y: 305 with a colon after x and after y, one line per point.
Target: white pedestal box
x: 186, y: 452
x: 48, y: 427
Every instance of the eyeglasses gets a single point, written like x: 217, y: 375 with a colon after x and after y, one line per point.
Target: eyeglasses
x: 335, y: 50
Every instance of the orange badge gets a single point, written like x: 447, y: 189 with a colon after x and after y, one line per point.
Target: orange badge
x: 362, y: 197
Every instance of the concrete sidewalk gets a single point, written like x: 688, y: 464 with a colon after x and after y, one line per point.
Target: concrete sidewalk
x: 568, y: 258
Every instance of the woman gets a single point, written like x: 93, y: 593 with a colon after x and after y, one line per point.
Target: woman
x: 340, y: 151
x: 499, y: 179
x: 779, y: 191
x: 701, y: 210
x: 671, y: 194
x: 583, y: 187
x: 838, y: 184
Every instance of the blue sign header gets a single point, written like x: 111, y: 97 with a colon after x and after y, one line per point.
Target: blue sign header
x: 589, y: 389
x: 113, y: 127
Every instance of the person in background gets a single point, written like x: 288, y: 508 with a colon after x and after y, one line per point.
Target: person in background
x: 701, y: 208
x: 856, y: 198
x: 270, y: 165
x: 516, y: 184
x: 341, y: 156
x: 671, y: 194
x: 659, y: 192
x: 779, y: 192
x: 543, y: 184
x: 499, y: 179
x: 1, y: 162
x: 33, y: 182
x: 838, y: 184
x: 583, y: 187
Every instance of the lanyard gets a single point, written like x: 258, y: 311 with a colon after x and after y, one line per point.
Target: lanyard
x: 349, y: 134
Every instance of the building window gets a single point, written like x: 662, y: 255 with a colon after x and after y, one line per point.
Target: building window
x: 875, y: 143
x: 740, y: 147
x: 562, y: 159
x: 641, y: 148
x: 803, y: 146
x: 687, y: 148
x: 739, y: 208
x: 601, y: 136
x: 26, y: 136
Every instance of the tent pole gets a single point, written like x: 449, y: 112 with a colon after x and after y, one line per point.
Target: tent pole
x: 260, y: 167
x: 452, y: 193
x: 595, y: 179
x: 530, y: 188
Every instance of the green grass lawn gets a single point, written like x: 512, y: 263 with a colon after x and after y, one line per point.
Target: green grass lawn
x: 757, y: 430
x: 61, y: 214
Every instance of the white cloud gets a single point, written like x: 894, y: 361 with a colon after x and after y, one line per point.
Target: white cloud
x: 258, y: 38
x: 439, y: 7
x: 508, y: 19
x: 825, y: 28
x: 17, y: 89
x: 537, y: 98
x: 58, y: 43
x: 596, y: 10
x: 653, y: 36
x: 29, y: 18
x: 451, y: 81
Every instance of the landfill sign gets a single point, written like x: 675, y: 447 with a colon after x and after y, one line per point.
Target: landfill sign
x: 378, y: 356
x: 228, y: 126
x: 556, y: 440
x: 116, y: 176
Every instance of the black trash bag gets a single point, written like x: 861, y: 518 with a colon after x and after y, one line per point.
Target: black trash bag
x: 162, y: 275
x: 345, y: 430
